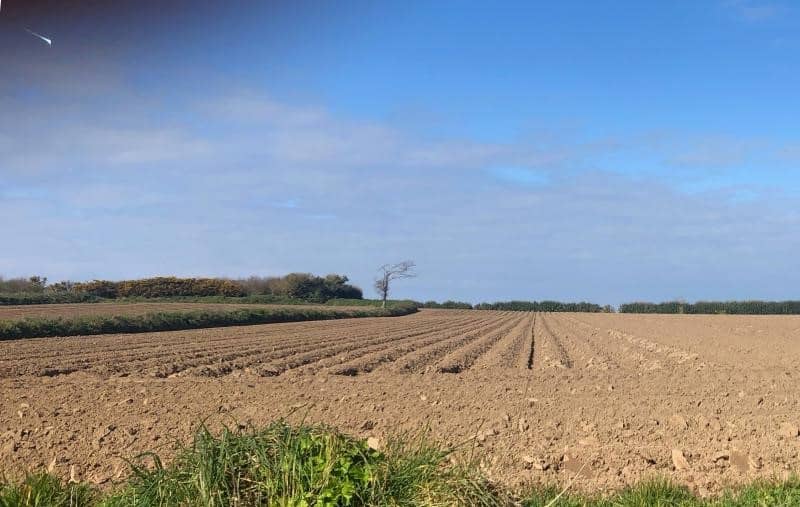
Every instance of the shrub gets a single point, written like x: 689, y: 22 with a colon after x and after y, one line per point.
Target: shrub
x: 98, y: 288
x: 302, y: 286
x: 33, y: 284
x: 306, y: 286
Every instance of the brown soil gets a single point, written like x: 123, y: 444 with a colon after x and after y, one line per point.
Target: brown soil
x: 540, y: 396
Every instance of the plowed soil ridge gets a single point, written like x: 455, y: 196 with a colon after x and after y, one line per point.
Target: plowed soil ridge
x: 156, y: 345
x: 553, y: 352
x: 512, y: 350
x: 373, y: 360
x: 310, y: 352
x: 583, y: 350
x: 420, y: 336
x: 161, y: 354
x: 421, y: 359
x: 462, y: 358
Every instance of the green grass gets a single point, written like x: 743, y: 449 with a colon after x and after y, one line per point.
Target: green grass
x: 279, y: 465
x: 173, y: 321
x: 306, y: 465
x: 390, y: 303
x: 45, y: 490
x: 662, y: 493
x: 297, y: 466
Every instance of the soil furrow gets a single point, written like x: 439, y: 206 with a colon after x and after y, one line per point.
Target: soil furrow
x: 504, y: 352
x: 416, y: 337
x: 371, y: 361
x: 462, y: 359
x: 421, y: 359
x: 553, y: 353
x: 583, y: 350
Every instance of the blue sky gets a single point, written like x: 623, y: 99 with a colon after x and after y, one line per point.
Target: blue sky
x: 609, y: 151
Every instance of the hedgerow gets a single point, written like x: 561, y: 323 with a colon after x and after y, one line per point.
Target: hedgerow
x: 34, y: 298
x: 173, y: 321
x: 716, y: 307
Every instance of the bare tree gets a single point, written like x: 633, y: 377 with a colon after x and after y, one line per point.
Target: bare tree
x: 391, y: 272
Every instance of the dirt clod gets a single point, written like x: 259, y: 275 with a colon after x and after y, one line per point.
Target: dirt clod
x: 679, y: 461
x: 375, y: 443
x: 740, y: 460
x: 788, y: 430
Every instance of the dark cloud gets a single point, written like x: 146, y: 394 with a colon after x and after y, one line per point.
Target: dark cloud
x: 76, y: 25
x: 28, y: 11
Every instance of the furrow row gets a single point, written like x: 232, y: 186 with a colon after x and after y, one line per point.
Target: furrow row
x: 551, y: 352
x: 423, y: 358
x: 463, y: 358
x: 169, y: 358
x: 308, y: 354
x: 513, y: 350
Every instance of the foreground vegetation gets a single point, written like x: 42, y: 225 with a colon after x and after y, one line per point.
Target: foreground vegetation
x: 314, y: 465
x: 178, y: 320
x: 716, y: 307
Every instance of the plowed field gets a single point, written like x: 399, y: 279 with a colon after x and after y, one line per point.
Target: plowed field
x: 541, y: 396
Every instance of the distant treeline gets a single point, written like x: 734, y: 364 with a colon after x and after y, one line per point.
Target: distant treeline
x: 544, y: 306
x: 716, y: 307
x: 452, y: 305
x: 294, y: 286
x: 520, y: 306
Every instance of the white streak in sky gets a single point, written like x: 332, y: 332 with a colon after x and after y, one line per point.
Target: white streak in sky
x: 48, y: 41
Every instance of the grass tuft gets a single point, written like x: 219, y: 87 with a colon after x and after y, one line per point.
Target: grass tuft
x: 302, y: 465
x: 45, y: 490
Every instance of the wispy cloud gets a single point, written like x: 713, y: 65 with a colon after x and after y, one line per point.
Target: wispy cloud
x: 287, y: 204
x: 754, y: 10
x: 518, y: 175
x: 712, y: 152
x: 312, y: 135
x: 246, y: 173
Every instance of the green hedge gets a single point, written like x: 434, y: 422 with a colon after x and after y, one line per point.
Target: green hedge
x: 543, y: 306
x: 38, y: 298
x: 373, y: 302
x: 259, y: 299
x: 173, y: 321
